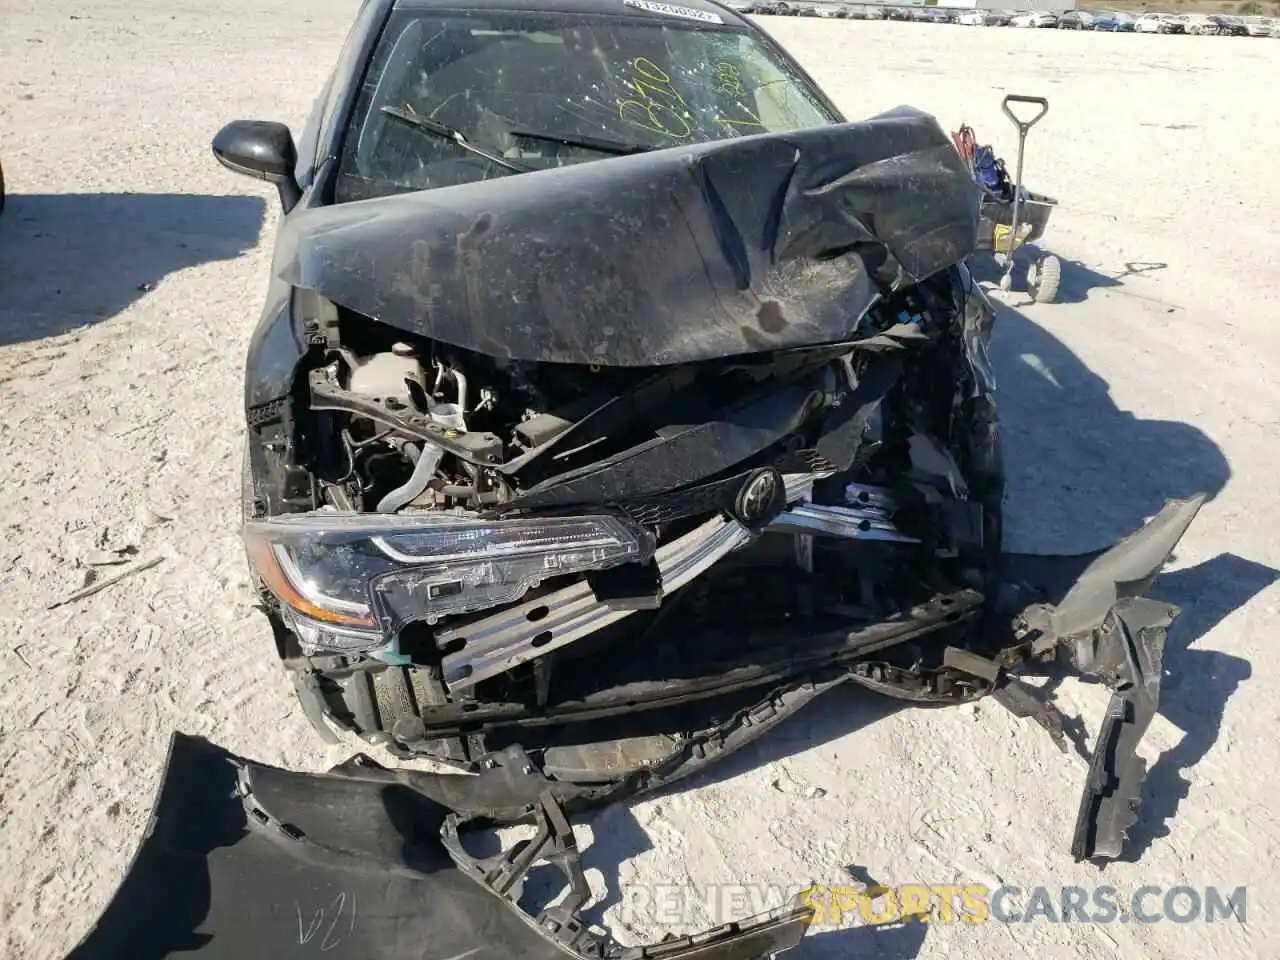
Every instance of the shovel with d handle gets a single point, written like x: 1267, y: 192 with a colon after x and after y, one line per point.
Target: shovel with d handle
x: 1024, y: 126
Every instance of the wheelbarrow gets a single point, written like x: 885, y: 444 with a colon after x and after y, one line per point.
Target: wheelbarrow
x: 1010, y: 220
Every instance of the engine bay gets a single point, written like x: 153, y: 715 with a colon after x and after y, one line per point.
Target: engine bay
x: 406, y: 423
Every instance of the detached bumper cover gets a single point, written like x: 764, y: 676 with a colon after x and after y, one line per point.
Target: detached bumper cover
x: 247, y: 861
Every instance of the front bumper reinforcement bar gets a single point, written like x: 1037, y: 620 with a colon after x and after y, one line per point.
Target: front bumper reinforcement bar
x: 526, y: 631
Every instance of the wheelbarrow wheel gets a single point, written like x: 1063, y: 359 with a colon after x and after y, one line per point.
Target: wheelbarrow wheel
x: 1043, y: 279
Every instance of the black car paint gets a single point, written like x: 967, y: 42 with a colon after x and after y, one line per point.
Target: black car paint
x: 263, y: 149
x: 276, y: 345
x: 279, y: 341
x: 772, y: 242
x: 244, y: 861
x: 809, y: 205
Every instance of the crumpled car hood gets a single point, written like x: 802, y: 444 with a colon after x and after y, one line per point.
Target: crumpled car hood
x: 684, y: 254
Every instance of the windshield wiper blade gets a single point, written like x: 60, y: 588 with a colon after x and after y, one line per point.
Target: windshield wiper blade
x: 419, y: 122
x: 590, y: 143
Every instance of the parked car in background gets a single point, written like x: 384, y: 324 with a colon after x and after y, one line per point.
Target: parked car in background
x: 1194, y: 23
x: 1035, y: 18
x: 1227, y: 26
x: 1158, y: 23
x: 1259, y: 26
x: 1076, y: 20
x: 1113, y: 21
x: 998, y: 18
x: 869, y: 13
x: 972, y: 18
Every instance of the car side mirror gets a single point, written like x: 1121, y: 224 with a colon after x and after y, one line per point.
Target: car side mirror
x: 261, y: 149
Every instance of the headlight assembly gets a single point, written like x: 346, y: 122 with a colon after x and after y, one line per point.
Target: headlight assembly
x: 348, y: 582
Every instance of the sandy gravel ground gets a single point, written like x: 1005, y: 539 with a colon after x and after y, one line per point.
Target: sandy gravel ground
x: 131, y: 270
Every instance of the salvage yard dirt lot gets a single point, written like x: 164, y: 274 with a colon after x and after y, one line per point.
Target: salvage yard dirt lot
x: 132, y: 269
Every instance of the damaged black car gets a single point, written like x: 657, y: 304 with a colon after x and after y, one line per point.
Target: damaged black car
x: 606, y: 371
x: 613, y: 399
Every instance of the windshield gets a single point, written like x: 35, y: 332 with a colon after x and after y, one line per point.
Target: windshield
x: 550, y: 89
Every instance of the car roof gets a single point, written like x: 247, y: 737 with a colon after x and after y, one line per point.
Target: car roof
x: 645, y: 9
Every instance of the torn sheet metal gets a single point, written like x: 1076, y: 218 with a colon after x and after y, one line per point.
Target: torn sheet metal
x: 673, y: 256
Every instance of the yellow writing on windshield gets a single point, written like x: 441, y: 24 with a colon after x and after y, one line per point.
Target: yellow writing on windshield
x: 658, y: 106
x: 656, y: 101
x: 728, y: 81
